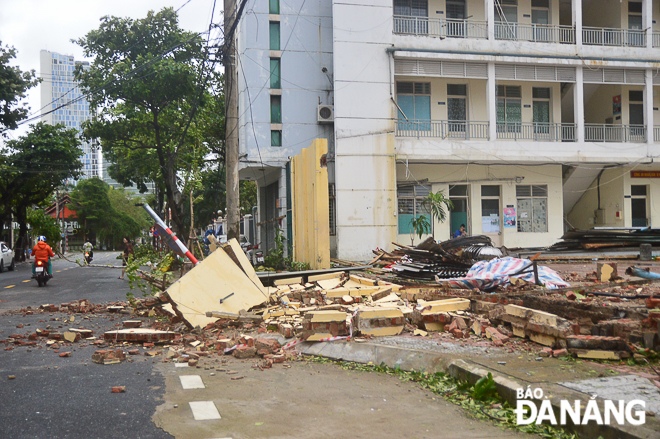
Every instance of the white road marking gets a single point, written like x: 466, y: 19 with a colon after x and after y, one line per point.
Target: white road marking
x: 204, y: 410
x: 191, y: 382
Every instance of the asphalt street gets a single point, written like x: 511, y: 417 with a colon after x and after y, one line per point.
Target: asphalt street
x: 70, y: 397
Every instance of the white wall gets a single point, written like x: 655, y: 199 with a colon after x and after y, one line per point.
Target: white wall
x: 364, y: 164
x: 440, y: 176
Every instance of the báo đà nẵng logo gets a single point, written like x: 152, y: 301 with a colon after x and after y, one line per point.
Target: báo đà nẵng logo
x: 579, y: 413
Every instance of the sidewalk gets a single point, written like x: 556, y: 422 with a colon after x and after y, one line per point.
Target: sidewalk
x: 559, y: 380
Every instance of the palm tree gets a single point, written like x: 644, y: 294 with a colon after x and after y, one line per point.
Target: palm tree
x: 437, y: 203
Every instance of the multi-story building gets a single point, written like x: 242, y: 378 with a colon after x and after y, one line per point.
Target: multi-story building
x: 63, y: 102
x: 532, y: 116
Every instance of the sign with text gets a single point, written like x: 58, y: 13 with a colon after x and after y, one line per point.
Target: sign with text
x: 644, y: 174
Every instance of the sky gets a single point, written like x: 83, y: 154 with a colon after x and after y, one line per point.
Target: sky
x: 34, y: 25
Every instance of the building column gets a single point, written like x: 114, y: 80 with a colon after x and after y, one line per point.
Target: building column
x: 490, y: 18
x: 578, y: 104
x: 647, y: 20
x: 648, y: 105
x: 491, y: 102
x: 577, y: 21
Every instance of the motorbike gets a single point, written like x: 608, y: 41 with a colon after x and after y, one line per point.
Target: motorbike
x: 89, y: 257
x: 255, y: 255
x: 41, y: 270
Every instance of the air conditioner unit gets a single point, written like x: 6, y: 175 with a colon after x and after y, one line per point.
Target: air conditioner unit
x: 325, y: 113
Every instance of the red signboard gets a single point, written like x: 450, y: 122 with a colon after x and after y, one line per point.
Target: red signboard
x: 644, y: 174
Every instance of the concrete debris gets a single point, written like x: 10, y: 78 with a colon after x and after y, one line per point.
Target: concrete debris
x: 108, y: 356
x: 140, y: 335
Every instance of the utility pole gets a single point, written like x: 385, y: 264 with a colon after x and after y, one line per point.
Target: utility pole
x: 231, y: 116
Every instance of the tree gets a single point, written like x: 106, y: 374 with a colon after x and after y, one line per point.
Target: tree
x: 33, y: 166
x: 92, y: 205
x: 13, y: 85
x: 149, y: 83
x: 42, y: 224
x: 436, y: 203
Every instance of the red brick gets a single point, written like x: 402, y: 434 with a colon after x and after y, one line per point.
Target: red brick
x: 243, y: 352
x: 571, y: 296
x: 268, y: 344
x: 118, y: 389
x: 558, y: 353
x: 65, y: 354
x: 547, y: 352
x: 192, y: 362
x: 653, y: 302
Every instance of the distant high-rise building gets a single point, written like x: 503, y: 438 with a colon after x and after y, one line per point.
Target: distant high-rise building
x: 63, y: 102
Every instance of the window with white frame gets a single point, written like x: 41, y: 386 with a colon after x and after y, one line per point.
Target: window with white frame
x: 457, y: 106
x: 532, y: 208
x: 410, y: 198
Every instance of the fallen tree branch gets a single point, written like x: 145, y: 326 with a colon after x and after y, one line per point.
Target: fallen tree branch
x: 87, y: 265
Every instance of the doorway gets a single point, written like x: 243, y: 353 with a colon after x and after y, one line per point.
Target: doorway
x: 491, y: 213
x: 458, y: 195
x: 638, y: 204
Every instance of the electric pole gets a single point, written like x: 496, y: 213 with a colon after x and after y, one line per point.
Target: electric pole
x: 231, y: 116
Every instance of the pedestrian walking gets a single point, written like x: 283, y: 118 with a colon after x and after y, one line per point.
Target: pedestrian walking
x: 128, y: 250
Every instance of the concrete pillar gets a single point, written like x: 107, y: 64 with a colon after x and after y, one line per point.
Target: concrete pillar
x: 490, y: 18
x: 648, y: 105
x: 578, y: 104
x: 577, y: 21
x: 647, y: 21
x: 491, y: 102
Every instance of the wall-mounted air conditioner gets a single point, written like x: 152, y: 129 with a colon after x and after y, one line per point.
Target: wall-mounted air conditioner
x: 325, y: 113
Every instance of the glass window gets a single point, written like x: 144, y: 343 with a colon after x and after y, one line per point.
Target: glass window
x: 509, y: 108
x: 276, y: 109
x: 276, y: 138
x: 274, y: 7
x: 490, y: 191
x: 414, y: 101
x: 532, y: 208
x: 275, y: 81
x: 410, y: 201
x: 274, y: 35
x: 457, y: 107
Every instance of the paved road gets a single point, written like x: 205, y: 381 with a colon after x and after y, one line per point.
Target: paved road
x: 69, y: 397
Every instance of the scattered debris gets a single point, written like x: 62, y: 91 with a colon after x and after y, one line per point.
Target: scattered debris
x: 118, y: 389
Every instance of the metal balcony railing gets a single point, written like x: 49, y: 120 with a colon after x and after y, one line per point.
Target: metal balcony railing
x: 466, y: 130
x: 537, y: 131
x: 655, y: 39
x: 596, y: 36
x: 614, y: 133
x: 656, y: 133
x: 439, y: 27
x: 538, y: 33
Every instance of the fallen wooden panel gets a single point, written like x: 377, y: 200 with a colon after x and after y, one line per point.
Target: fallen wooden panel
x: 288, y: 281
x: 328, y: 284
x: 215, y: 284
x: 327, y: 276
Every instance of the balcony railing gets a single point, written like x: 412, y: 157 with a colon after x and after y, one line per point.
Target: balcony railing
x: 614, y: 133
x: 537, y: 131
x: 656, y: 133
x: 596, y: 36
x: 466, y: 130
x: 439, y: 27
x: 538, y: 33
x: 655, y: 39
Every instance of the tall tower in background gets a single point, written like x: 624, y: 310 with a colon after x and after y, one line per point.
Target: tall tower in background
x: 59, y: 89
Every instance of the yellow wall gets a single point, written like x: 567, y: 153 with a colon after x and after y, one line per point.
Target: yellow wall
x: 475, y: 8
x: 611, y: 200
x: 599, y: 106
x: 311, y: 227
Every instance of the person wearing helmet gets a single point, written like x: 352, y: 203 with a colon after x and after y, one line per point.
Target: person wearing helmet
x: 42, y: 252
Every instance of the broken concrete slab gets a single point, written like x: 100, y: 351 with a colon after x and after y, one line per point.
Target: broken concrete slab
x: 108, y: 356
x: 590, y: 342
x: 215, y: 284
x: 318, y: 325
x: 379, y: 321
x: 140, y: 335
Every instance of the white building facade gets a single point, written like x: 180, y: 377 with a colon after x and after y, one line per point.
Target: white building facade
x: 532, y: 116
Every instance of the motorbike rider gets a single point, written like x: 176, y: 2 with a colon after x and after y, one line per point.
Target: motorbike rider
x: 87, y: 248
x: 42, y: 252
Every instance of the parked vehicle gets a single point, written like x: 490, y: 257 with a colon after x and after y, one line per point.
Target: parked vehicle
x: 41, y: 270
x: 6, y: 258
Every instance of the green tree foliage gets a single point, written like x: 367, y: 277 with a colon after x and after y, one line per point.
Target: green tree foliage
x: 13, y: 85
x: 92, y: 205
x: 149, y: 84
x: 42, y: 224
x: 437, y: 203
x: 32, y: 167
x: 124, y: 202
x: 108, y: 213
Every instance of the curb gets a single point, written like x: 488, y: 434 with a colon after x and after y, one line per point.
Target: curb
x: 427, y: 361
